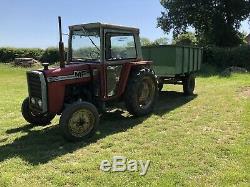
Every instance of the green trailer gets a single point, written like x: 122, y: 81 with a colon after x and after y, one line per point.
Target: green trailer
x: 175, y: 64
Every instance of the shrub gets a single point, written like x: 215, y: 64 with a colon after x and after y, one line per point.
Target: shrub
x: 50, y: 55
x: 227, y: 57
x: 188, y: 39
x: 9, y: 54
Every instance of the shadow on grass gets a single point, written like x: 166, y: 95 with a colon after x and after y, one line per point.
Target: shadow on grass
x: 42, y: 146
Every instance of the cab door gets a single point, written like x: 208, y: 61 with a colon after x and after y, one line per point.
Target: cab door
x: 120, y: 49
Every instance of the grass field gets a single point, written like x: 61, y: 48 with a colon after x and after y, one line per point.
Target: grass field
x: 192, y: 141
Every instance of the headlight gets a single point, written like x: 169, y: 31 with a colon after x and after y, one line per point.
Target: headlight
x: 39, y: 102
x: 33, y: 101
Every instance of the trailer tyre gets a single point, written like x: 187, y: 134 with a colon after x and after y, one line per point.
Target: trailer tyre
x: 189, y: 84
x: 141, y: 92
x: 79, y: 121
x: 34, y: 119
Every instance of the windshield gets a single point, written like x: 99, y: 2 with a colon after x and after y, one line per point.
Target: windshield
x: 86, y: 45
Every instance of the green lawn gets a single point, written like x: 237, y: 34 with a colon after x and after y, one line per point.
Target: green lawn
x: 192, y: 141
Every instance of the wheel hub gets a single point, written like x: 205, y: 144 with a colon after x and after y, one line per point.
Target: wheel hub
x: 81, y: 123
x: 146, y: 92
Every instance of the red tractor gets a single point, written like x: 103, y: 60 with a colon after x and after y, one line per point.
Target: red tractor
x: 104, y: 66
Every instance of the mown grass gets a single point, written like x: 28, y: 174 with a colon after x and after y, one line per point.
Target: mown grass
x: 192, y: 141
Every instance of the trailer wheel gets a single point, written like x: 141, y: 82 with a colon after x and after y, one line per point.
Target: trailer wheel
x: 141, y: 92
x: 79, y: 121
x: 189, y: 84
x: 33, y: 118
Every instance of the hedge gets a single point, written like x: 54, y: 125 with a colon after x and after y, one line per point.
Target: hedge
x: 50, y: 55
x: 221, y: 57
x: 227, y: 57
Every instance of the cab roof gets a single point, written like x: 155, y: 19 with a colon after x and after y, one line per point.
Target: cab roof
x: 105, y: 26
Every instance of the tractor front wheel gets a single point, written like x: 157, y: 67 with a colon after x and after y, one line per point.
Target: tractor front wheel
x: 141, y: 92
x: 79, y: 121
x: 35, y: 119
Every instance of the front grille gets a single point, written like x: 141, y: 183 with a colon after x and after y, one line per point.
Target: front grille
x: 37, y: 91
x: 34, y: 84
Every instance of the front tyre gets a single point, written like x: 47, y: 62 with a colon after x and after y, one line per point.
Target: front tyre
x: 35, y: 119
x: 141, y: 92
x: 79, y: 121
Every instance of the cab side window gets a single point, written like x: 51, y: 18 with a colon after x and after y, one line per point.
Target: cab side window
x: 120, y: 46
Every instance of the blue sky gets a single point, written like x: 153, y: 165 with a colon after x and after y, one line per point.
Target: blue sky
x: 33, y: 23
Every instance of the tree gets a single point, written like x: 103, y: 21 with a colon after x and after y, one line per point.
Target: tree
x: 161, y: 41
x: 145, y: 41
x: 215, y: 21
x: 188, y: 38
x: 243, y: 37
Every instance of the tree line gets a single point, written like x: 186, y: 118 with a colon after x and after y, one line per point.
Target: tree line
x: 216, y: 22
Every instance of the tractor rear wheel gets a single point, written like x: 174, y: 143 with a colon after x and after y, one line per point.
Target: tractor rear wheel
x: 79, y: 121
x: 160, y: 84
x: 35, y: 119
x: 141, y: 92
x: 160, y: 87
x: 189, y: 84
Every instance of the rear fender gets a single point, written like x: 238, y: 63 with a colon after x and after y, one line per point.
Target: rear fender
x: 127, y: 69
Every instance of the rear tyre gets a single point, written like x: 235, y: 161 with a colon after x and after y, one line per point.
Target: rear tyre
x: 160, y: 84
x: 189, y: 84
x: 160, y: 87
x: 35, y: 119
x: 141, y: 92
x: 79, y: 121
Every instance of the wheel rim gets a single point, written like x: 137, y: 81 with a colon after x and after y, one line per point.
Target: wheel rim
x: 81, y: 123
x: 146, y: 92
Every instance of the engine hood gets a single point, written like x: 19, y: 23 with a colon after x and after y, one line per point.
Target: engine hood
x: 69, y: 69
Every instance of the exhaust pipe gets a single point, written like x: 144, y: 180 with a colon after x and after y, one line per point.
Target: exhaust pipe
x: 61, y: 45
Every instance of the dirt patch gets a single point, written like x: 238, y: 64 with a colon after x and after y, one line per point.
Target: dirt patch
x: 244, y: 92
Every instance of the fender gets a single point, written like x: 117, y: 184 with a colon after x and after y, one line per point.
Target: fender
x: 126, y: 70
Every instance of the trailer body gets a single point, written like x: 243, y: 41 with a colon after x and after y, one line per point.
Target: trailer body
x: 170, y: 60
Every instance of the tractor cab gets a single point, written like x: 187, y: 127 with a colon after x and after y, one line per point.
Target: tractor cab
x: 108, y: 49
x: 103, y: 43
